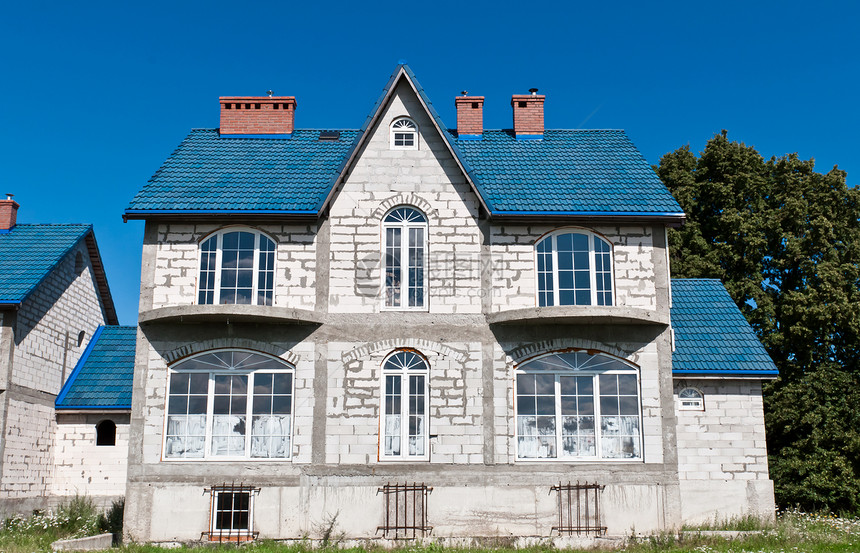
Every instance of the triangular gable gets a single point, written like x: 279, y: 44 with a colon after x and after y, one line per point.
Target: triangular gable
x: 401, y: 72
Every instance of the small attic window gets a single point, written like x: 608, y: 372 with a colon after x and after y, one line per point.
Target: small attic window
x: 106, y: 433
x: 81, y: 336
x: 404, y: 134
x: 691, y: 399
x: 79, y: 264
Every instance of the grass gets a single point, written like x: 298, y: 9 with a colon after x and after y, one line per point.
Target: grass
x: 793, y: 532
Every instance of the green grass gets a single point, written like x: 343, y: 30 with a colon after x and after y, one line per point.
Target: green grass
x: 793, y: 532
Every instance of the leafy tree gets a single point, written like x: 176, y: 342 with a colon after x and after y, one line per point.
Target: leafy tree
x: 785, y: 240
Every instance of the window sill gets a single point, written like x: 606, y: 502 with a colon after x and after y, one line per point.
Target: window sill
x: 580, y: 315
x: 229, y: 314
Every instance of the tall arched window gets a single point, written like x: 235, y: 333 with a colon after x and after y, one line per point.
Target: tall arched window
x: 403, y: 427
x: 229, y: 404
x: 405, y: 253
x: 404, y: 134
x: 576, y: 405
x: 237, y: 267
x: 574, y: 268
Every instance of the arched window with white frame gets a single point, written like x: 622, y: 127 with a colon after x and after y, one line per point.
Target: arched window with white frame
x: 237, y: 266
x: 404, y: 134
x: 691, y: 399
x: 574, y: 267
x: 403, y: 424
x: 578, y: 406
x: 405, y: 253
x: 229, y: 404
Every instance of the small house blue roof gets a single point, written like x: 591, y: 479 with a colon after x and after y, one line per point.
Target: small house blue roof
x: 567, y: 172
x: 711, y: 334
x: 102, y: 378
x: 28, y: 254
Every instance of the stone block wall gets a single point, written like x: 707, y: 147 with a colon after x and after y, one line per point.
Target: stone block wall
x: 427, y: 178
x: 28, y: 458
x: 177, y: 263
x: 81, y: 466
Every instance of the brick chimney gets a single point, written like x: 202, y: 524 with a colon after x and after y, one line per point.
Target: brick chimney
x: 470, y: 116
x: 8, y: 212
x: 244, y: 115
x: 528, y: 114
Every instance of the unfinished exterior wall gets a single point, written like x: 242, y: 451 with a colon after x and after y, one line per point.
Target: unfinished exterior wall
x: 722, y: 452
x: 42, y: 346
x: 81, y: 466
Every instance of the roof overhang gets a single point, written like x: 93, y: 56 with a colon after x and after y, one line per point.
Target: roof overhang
x: 725, y: 375
x: 101, y: 279
x: 218, y: 215
x: 667, y: 218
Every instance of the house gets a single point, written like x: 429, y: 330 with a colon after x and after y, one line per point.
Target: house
x: 53, y: 297
x: 408, y: 330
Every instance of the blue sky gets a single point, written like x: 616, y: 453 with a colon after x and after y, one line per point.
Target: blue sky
x: 96, y: 95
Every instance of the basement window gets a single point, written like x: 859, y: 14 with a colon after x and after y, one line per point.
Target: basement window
x: 405, y: 510
x: 404, y: 134
x: 578, y: 508
x: 231, y: 513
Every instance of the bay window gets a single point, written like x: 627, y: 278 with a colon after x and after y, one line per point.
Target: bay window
x: 236, y: 267
x: 574, y: 268
x: 229, y: 404
x: 576, y: 405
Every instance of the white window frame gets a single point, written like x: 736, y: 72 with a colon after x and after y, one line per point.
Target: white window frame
x: 629, y: 369
x: 592, y: 267
x: 404, y: 373
x: 217, y: 290
x: 404, y: 228
x: 693, y: 403
x: 393, y: 130
x: 281, y: 367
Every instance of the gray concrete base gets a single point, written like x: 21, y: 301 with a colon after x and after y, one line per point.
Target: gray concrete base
x: 90, y: 543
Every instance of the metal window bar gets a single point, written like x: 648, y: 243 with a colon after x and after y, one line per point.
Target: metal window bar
x: 230, y: 535
x: 578, y: 509
x: 405, y: 510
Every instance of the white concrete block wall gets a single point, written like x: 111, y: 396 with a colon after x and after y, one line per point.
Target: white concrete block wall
x: 82, y: 467
x: 454, y: 407
x: 726, y: 441
x: 63, y: 303
x: 177, y: 264
x: 28, y: 458
x: 514, y: 279
x: 427, y: 178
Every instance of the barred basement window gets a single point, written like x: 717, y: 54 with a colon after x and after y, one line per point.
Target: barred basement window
x: 578, y: 509
x: 405, y: 510
x: 231, y: 513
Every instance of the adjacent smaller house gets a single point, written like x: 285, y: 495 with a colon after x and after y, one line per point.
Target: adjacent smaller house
x: 53, y: 297
x: 93, y: 408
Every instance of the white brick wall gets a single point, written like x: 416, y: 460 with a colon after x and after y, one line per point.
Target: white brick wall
x: 63, y: 302
x: 427, y: 178
x: 726, y: 441
x: 177, y: 263
x: 27, y: 456
x: 82, y: 467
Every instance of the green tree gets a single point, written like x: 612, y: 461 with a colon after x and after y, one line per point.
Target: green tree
x: 785, y: 240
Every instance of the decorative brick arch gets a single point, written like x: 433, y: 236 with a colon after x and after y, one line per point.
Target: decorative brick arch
x: 415, y: 343
x: 230, y: 343
x: 404, y: 199
x: 530, y: 351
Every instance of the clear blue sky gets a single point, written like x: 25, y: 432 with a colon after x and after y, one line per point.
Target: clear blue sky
x: 96, y: 95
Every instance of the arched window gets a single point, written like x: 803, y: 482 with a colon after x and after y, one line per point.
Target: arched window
x: 691, y: 399
x: 404, y: 134
x: 106, y: 433
x: 574, y: 268
x: 229, y: 404
x: 576, y: 405
x: 405, y: 252
x: 237, y: 267
x: 404, y: 415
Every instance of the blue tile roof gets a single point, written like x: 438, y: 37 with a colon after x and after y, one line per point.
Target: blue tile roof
x: 565, y: 173
x: 711, y: 334
x: 209, y: 173
x: 568, y: 171
x: 28, y: 253
x: 103, y: 376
